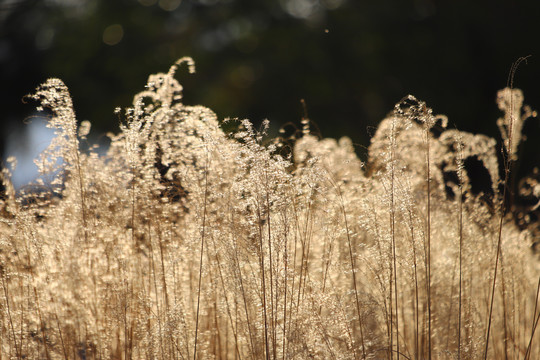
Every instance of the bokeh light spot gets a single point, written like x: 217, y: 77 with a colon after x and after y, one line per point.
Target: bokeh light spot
x: 113, y: 34
x: 169, y: 5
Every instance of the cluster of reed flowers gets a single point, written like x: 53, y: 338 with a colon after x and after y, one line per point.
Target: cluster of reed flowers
x: 184, y: 241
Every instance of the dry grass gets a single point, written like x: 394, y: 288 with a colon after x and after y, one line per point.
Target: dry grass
x: 184, y: 242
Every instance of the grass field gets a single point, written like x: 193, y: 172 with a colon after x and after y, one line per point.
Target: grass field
x: 186, y: 242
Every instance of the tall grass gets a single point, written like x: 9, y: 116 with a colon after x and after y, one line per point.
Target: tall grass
x: 184, y: 241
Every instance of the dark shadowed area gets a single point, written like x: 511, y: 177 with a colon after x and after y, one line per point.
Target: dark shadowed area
x: 351, y: 61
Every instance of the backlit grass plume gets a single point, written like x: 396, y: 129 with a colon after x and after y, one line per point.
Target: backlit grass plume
x: 186, y: 242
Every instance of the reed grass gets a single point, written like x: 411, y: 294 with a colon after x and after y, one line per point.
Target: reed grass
x: 183, y: 241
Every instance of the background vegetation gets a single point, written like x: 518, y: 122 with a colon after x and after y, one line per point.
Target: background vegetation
x: 350, y: 60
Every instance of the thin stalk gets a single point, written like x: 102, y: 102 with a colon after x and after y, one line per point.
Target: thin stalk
x: 33, y: 277
x: 234, y: 329
x: 8, y: 308
x: 306, y: 248
x: 528, y: 353
x: 428, y: 178
x: 263, y: 280
x: 162, y: 259
x: 201, y: 257
x: 238, y: 273
x: 42, y: 324
x: 82, y: 193
x: 217, y: 334
x: 237, y: 268
x: 154, y: 278
x: 22, y: 322
x: 294, y: 256
x: 60, y: 333
x: 38, y: 305
x: 302, y: 235
x: 460, y: 230
x: 353, y: 268
x: 286, y: 262
x: 416, y: 301
x: 503, y: 294
x: 497, y: 255
x: 133, y: 201
x: 270, y: 260
x: 535, y: 321
x: 378, y: 236
x: 393, y: 234
x: 507, y: 164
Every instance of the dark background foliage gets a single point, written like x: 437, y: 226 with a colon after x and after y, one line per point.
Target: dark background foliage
x: 350, y: 60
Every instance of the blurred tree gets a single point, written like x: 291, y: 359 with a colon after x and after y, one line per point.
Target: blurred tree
x: 350, y: 60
